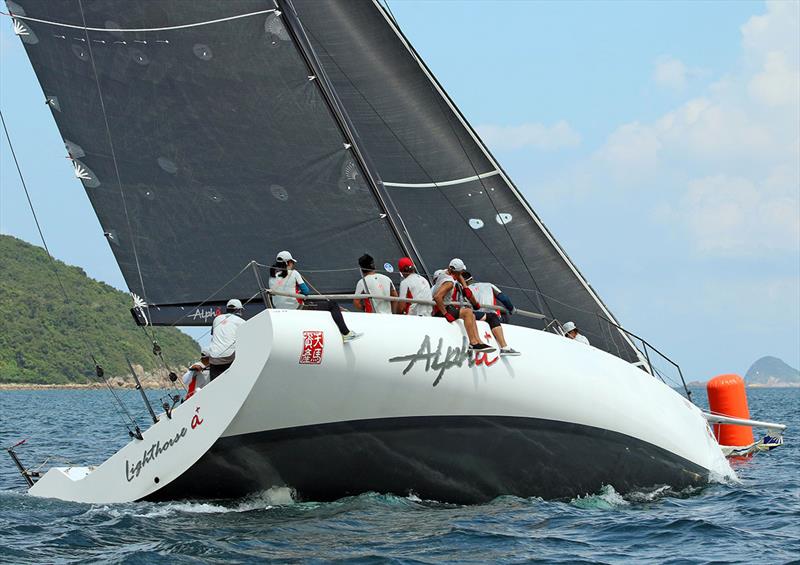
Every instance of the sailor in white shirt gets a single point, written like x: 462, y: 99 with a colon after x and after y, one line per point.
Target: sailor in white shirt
x: 571, y: 332
x: 286, y: 279
x: 490, y: 295
x: 222, y: 349
x: 449, y: 286
x: 487, y: 296
x: 375, y: 284
x: 413, y: 286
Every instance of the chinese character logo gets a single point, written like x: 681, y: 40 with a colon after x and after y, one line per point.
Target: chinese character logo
x: 313, y: 344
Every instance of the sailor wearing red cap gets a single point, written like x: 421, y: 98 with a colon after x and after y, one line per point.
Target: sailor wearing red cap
x: 413, y: 286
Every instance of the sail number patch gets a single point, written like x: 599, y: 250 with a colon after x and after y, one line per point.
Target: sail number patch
x: 313, y: 346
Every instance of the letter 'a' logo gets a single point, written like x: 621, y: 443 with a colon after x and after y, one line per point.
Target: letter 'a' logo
x: 313, y: 346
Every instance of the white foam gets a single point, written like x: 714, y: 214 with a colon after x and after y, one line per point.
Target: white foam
x: 607, y: 498
x: 270, y: 498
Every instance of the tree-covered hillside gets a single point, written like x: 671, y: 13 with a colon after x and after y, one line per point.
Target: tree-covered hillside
x: 42, y: 336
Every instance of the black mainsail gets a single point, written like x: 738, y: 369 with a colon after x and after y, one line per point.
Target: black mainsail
x: 205, y: 139
x: 219, y: 147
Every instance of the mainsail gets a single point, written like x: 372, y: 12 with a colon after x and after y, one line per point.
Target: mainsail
x: 203, y: 142
x: 208, y: 134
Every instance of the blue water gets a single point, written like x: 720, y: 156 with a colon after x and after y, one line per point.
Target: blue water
x: 756, y: 521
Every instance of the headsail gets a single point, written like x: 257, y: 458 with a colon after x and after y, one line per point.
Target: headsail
x: 202, y: 142
x: 452, y: 194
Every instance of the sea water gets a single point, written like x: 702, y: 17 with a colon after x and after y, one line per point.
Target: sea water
x: 754, y: 521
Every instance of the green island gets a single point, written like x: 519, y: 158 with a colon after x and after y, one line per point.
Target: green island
x: 47, y: 340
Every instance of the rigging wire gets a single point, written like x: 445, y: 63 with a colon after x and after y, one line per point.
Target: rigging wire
x: 447, y: 118
x: 98, y: 369
x: 119, y: 177
x: 113, y: 152
x: 213, y: 294
x: 430, y: 177
x: 137, y: 30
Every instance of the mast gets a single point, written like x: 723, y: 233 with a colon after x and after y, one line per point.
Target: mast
x: 298, y: 34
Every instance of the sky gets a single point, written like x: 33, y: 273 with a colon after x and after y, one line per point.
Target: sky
x: 658, y: 141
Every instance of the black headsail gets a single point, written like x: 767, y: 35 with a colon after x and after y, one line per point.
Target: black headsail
x: 450, y: 191
x: 203, y: 141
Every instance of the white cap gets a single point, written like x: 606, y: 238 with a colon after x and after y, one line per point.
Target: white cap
x: 569, y: 326
x: 458, y: 265
x: 204, y: 353
x: 437, y: 274
x: 234, y: 304
x: 285, y: 256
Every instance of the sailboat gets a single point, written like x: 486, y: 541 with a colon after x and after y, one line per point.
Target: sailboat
x: 211, y: 135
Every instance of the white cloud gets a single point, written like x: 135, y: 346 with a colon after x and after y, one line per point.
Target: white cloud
x: 538, y: 136
x: 728, y: 161
x: 778, y: 84
x: 630, y: 153
x: 735, y: 216
x: 671, y: 73
x: 774, y: 31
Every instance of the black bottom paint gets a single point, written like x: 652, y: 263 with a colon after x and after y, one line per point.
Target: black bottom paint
x: 461, y: 459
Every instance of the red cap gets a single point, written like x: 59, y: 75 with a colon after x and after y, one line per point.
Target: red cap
x: 404, y: 263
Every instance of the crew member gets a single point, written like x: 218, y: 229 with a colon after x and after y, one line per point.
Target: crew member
x: 284, y: 278
x: 487, y: 294
x: 571, y: 332
x: 450, y: 286
x: 375, y: 284
x: 413, y: 286
x: 197, y: 376
x: 222, y: 349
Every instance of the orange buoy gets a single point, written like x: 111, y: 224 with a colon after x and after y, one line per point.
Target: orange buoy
x: 727, y: 397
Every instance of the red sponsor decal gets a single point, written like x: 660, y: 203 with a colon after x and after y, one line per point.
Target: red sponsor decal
x: 313, y: 345
x: 483, y: 359
x: 196, y: 419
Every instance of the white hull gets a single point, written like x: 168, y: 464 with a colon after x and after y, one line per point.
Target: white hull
x: 382, y: 413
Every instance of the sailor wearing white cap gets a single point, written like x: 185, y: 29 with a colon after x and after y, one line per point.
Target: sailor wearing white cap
x: 222, y: 348
x: 284, y: 278
x: 198, y: 374
x: 450, y: 286
x: 285, y: 256
x: 571, y: 332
